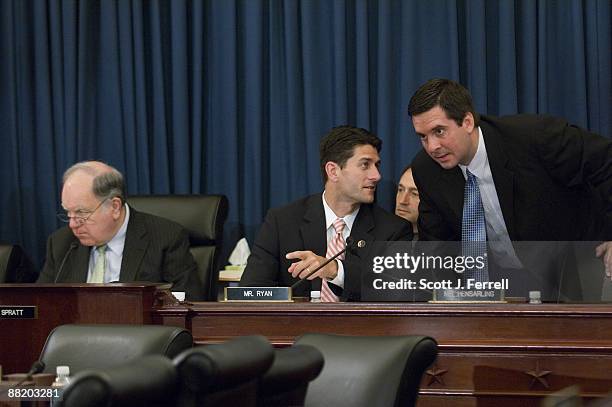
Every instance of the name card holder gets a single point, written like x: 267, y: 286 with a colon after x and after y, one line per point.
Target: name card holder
x: 18, y: 312
x: 455, y: 295
x: 258, y: 294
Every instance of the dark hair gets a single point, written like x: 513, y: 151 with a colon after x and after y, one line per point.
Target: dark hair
x: 339, y: 145
x: 408, y: 167
x: 451, y: 96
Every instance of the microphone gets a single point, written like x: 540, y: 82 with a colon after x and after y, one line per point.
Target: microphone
x: 37, y: 367
x: 350, y: 243
x: 73, y: 246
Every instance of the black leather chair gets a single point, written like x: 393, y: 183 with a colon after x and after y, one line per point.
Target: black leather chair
x: 5, y: 255
x: 83, y: 347
x: 604, y: 402
x: 369, y: 370
x: 286, y: 382
x: 567, y: 397
x: 222, y: 375
x: 149, y: 381
x: 203, y: 216
x: 15, y: 266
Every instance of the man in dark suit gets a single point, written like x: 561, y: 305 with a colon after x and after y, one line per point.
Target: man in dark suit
x: 294, y: 239
x: 107, y: 241
x: 540, y: 179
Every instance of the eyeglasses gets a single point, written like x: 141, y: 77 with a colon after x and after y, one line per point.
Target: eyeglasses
x: 80, y: 216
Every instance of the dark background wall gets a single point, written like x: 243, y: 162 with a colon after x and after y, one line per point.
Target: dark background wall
x: 232, y: 97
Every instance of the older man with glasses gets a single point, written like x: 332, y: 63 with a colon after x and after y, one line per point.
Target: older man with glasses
x: 106, y: 240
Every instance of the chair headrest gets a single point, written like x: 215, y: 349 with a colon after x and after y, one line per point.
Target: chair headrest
x: 146, y: 381
x: 202, y: 216
x: 368, y: 370
x: 293, y: 366
x: 226, y: 365
x: 98, y: 346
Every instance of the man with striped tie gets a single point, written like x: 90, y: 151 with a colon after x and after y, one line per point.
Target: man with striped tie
x: 294, y: 240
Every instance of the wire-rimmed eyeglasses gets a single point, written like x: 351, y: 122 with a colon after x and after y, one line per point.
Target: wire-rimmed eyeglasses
x: 80, y: 216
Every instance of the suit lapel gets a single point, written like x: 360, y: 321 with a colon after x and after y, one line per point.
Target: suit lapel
x: 363, y: 225
x: 454, y: 183
x: 136, y: 243
x: 77, y: 265
x: 312, y: 228
x: 502, y: 176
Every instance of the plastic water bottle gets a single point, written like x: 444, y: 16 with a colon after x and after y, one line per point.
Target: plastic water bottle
x: 535, y: 297
x: 315, y: 296
x: 61, y: 380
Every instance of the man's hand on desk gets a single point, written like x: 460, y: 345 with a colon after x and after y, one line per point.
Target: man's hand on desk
x: 604, y: 251
x: 308, y: 261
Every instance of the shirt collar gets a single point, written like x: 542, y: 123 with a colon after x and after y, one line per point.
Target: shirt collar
x: 478, y: 164
x: 330, y: 216
x: 118, y: 241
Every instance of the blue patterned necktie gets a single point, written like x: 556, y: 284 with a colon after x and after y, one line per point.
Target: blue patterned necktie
x: 473, y: 229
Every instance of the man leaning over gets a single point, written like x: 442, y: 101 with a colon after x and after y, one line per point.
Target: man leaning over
x: 531, y: 176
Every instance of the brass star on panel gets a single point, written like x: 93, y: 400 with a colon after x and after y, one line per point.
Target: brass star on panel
x: 436, y: 375
x: 538, y: 375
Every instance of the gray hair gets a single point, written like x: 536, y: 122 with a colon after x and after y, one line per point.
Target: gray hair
x: 106, y: 183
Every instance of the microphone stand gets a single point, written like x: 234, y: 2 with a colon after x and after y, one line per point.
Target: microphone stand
x: 350, y: 242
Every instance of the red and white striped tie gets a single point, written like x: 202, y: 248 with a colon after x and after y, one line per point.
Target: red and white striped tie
x: 335, y: 245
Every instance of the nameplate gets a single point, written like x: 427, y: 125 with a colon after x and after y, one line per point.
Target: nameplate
x: 18, y: 312
x: 450, y: 295
x: 263, y: 294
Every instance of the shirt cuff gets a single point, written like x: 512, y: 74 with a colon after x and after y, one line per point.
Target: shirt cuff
x: 339, y: 280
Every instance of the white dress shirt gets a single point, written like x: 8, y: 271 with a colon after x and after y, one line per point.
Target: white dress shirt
x: 114, y: 253
x: 497, y: 233
x: 330, y: 217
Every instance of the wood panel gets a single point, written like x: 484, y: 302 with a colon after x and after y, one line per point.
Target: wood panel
x: 502, y: 354
x: 21, y: 340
